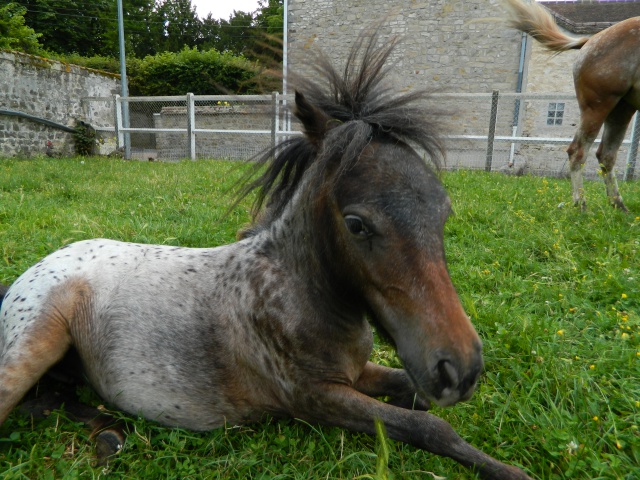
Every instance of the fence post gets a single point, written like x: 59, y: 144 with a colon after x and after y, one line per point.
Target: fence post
x: 117, y: 110
x: 274, y: 119
x: 492, y: 129
x: 191, y: 124
x: 633, y: 149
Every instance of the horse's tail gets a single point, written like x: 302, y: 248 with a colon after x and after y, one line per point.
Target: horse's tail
x: 535, y: 20
x: 3, y: 292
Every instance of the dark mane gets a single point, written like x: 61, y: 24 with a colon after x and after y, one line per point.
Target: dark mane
x: 359, y: 108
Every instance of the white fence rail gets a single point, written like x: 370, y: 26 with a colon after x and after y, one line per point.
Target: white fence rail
x: 494, y: 131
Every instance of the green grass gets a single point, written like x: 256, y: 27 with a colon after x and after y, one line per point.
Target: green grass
x: 553, y: 293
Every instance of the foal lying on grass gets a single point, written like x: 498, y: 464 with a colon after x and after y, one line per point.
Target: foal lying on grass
x: 276, y: 323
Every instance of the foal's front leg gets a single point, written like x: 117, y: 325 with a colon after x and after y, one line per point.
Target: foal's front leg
x: 342, y: 406
x: 378, y: 381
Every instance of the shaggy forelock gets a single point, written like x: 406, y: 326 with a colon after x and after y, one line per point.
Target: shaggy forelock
x: 362, y: 105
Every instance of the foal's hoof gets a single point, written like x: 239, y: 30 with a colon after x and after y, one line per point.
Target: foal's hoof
x: 108, y: 443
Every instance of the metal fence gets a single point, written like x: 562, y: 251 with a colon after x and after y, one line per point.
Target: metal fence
x: 517, y: 133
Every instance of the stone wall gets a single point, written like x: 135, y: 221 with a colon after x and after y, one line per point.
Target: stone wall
x: 55, y: 91
x: 453, y: 46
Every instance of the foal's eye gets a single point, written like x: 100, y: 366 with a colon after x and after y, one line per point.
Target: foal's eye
x: 356, y: 225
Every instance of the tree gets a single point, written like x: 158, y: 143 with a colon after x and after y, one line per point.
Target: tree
x: 270, y: 17
x: 269, y: 22
x: 66, y: 28
x: 181, y: 25
x: 143, y: 28
x: 14, y: 34
x: 256, y: 35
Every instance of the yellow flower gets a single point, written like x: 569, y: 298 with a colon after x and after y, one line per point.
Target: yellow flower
x: 618, y: 444
x: 624, y: 295
x: 595, y: 418
x: 560, y: 332
x: 592, y: 367
x: 625, y: 336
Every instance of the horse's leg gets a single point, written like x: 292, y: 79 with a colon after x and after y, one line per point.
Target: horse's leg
x: 615, y: 127
x: 590, y: 123
x: 36, y: 336
x: 108, y: 432
x: 378, y: 381
x: 340, y: 405
x: 26, y: 359
x: 57, y: 390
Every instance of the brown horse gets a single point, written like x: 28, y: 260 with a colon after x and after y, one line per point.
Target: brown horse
x: 276, y: 323
x: 606, y: 75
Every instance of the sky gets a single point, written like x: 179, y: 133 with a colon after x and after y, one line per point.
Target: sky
x: 223, y: 8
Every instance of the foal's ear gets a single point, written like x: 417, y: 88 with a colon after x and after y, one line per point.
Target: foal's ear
x: 315, y: 121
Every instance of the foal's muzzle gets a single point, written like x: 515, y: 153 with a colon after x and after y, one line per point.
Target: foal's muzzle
x: 448, y: 377
x: 455, y: 380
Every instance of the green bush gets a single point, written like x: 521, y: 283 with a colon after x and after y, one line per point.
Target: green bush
x: 201, y: 73
x: 97, y: 62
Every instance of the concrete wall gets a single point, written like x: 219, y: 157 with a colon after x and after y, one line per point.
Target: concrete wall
x: 53, y: 90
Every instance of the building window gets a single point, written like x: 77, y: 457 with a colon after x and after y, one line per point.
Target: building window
x: 555, y: 114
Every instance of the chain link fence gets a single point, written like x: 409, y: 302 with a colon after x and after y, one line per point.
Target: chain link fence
x: 195, y: 127
x: 509, y: 132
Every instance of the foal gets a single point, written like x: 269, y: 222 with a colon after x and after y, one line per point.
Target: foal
x: 277, y: 323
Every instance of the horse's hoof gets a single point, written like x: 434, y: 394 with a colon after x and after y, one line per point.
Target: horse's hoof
x: 582, y: 205
x: 108, y: 443
x: 619, y: 205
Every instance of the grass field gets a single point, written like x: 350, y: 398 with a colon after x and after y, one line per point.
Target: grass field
x: 554, y: 294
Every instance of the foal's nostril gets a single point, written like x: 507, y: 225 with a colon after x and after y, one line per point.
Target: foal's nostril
x: 448, y: 374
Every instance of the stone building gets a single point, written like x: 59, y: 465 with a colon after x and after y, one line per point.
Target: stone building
x: 456, y: 45
x: 463, y: 46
